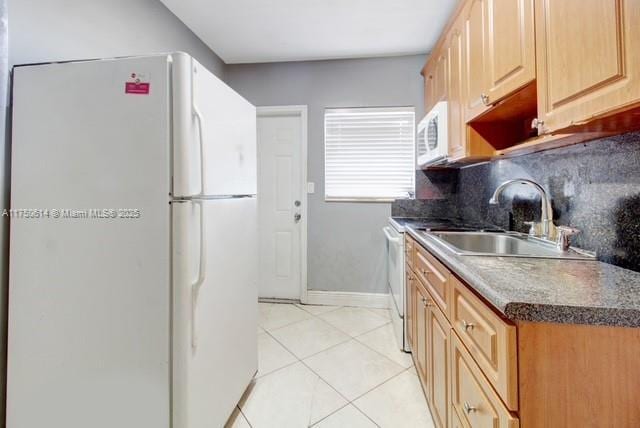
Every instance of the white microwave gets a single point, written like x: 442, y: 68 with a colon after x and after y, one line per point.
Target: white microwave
x: 432, y: 136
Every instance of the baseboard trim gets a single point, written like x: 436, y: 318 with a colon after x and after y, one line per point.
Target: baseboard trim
x: 344, y: 298
x: 277, y: 300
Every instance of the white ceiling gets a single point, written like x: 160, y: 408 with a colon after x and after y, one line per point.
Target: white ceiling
x: 245, y: 31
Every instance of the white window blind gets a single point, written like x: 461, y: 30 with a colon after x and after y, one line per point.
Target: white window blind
x: 369, y: 153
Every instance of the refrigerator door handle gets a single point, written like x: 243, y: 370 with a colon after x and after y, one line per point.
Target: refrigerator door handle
x: 197, y: 114
x: 198, y: 117
x: 196, y: 286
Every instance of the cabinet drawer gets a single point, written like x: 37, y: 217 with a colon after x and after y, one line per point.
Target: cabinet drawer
x: 475, y: 402
x: 434, y: 276
x: 490, y: 340
x: 409, y: 249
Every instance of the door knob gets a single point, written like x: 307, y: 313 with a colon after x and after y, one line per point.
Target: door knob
x: 296, y: 203
x: 297, y: 217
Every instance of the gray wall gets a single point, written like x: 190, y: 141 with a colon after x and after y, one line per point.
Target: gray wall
x: 51, y: 30
x: 345, y: 241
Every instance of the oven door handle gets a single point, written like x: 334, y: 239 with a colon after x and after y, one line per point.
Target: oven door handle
x: 393, y: 239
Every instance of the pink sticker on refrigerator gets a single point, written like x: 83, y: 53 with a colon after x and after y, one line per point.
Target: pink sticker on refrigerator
x: 138, y: 88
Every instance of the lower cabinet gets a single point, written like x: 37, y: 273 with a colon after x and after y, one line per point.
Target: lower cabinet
x: 455, y: 419
x: 472, y: 396
x: 439, y: 339
x: 410, y: 296
x: 430, y: 345
x: 479, y: 370
x: 457, y: 392
x: 421, y: 359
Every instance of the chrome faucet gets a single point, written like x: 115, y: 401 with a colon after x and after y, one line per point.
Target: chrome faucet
x: 546, y: 229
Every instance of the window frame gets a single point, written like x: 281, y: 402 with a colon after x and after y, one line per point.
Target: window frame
x: 369, y: 199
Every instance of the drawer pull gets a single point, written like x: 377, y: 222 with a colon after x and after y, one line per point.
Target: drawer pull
x: 467, y: 325
x: 468, y: 408
x: 426, y: 302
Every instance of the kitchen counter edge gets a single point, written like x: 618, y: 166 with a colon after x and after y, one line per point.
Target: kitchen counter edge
x: 524, y: 311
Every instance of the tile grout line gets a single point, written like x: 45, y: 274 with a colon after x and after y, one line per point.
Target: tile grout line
x: 301, y: 306
x: 310, y: 369
x: 378, y: 352
x: 351, y: 337
x: 245, y: 417
x: 360, y: 334
x: 315, y: 353
x: 352, y: 402
x: 361, y: 395
x: 298, y: 321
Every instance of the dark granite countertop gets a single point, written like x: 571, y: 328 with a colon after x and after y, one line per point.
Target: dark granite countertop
x: 547, y: 290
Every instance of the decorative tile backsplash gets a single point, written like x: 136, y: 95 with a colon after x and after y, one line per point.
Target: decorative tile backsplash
x: 594, y: 187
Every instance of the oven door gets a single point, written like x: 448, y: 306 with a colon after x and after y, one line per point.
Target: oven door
x: 395, y: 268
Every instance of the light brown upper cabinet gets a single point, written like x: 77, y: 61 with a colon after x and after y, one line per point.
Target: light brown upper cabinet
x: 588, y: 60
x: 457, y: 125
x: 429, y: 92
x: 435, y: 79
x: 509, y: 47
x: 474, y: 85
x: 499, y: 51
x: 440, y: 78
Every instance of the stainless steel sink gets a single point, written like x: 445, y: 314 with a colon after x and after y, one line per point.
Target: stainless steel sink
x: 508, y: 244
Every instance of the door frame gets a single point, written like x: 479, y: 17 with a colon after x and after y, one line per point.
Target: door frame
x: 301, y: 112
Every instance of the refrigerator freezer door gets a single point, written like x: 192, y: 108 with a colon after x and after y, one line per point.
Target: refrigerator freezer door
x: 214, y: 134
x: 215, y: 308
x: 89, y: 297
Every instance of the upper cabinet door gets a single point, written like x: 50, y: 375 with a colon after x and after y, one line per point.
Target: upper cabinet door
x: 456, y: 122
x: 440, y: 77
x: 474, y: 59
x: 429, y: 91
x: 435, y: 81
x: 509, y: 45
x: 588, y: 59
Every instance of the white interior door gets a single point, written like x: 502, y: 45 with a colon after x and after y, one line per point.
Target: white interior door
x: 281, y: 206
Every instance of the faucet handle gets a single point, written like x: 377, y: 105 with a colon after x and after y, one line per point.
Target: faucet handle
x: 532, y: 227
x: 564, y: 236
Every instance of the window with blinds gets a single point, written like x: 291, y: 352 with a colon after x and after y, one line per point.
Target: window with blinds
x: 369, y: 153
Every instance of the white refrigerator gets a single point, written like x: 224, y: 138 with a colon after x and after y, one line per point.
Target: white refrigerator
x: 133, y: 281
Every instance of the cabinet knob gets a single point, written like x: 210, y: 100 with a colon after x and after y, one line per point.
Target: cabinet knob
x: 467, y: 325
x: 485, y: 99
x: 565, y: 233
x: 468, y: 408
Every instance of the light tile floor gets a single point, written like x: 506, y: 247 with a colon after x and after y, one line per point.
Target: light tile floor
x: 328, y: 367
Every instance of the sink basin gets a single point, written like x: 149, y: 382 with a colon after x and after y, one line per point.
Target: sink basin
x: 502, y: 245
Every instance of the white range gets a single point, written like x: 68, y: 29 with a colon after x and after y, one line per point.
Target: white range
x: 133, y: 298
x: 395, y: 239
